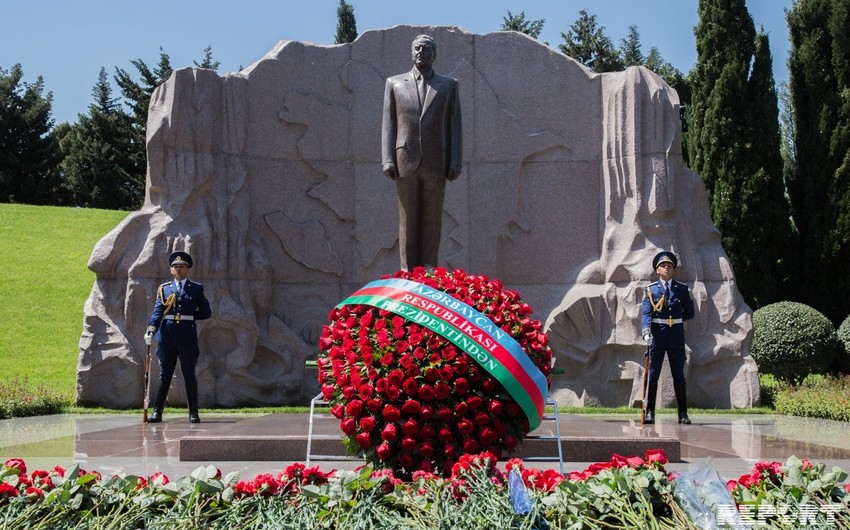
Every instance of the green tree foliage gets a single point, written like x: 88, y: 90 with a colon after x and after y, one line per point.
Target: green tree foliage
x: 532, y: 28
x: 346, y: 25
x: 100, y: 168
x: 137, y: 96
x: 819, y: 78
x: 208, y: 63
x: 733, y: 142
x: 29, y: 151
x: 587, y: 43
x: 630, y: 48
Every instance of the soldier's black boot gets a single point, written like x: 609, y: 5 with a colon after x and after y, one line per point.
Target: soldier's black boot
x: 192, y: 400
x: 651, y: 390
x: 682, y: 402
x: 159, y: 403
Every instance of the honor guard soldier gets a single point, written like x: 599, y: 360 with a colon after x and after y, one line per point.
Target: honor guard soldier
x: 179, y: 304
x: 666, y: 305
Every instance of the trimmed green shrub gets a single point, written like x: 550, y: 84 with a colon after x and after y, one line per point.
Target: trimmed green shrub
x: 792, y: 340
x: 842, y: 359
x: 769, y: 387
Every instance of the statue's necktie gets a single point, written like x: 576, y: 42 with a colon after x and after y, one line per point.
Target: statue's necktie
x: 423, y: 89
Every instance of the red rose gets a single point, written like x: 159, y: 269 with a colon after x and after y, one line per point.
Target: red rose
x: 510, y: 442
x: 487, y: 436
x: 426, y: 432
x: 389, y: 433
x: 410, y: 387
x: 410, y: 427
x: 426, y: 393
x: 348, y: 393
x: 354, y: 408
x: 426, y: 413
x: 393, y: 393
x: 405, y: 461
x: 464, y: 426
x: 445, y: 435
x: 469, y: 445
x: 348, y: 426
x: 17, y: 464
x: 494, y: 406
x: 446, y: 415
x: 365, y: 391
x: 338, y: 410
x: 474, y: 402
x: 426, y: 449
x: 367, y: 423
x: 374, y: 405
x: 408, y: 443
x: 391, y: 413
x: 411, y: 407
x: 395, y: 377
x: 481, y: 419
x: 363, y: 440
x: 461, y: 386
x: 383, y: 451
x: 442, y: 391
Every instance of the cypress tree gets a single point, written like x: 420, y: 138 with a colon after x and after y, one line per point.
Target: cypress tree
x: 346, y: 26
x: 734, y: 144
x: 819, y: 82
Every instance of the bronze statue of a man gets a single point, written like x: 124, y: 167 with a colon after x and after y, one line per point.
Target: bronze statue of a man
x: 421, y: 148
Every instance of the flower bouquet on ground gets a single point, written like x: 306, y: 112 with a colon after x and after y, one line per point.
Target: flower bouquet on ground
x: 796, y: 494
x: 422, y: 367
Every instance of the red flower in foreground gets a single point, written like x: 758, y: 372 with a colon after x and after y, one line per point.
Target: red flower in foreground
x: 411, y: 400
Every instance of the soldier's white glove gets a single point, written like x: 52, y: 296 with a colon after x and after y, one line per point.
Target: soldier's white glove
x: 647, y: 337
x: 148, y: 337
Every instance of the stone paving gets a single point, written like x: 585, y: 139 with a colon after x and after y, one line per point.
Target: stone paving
x: 116, y: 443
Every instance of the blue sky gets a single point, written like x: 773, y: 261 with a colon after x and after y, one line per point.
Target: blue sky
x: 67, y: 41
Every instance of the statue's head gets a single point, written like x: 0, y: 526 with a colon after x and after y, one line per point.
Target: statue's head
x: 424, y: 51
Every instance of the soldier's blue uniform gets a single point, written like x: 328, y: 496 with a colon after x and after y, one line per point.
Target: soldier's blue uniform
x: 173, y: 320
x: 662, y: 317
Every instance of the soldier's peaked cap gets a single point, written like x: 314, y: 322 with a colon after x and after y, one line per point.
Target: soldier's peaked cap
x: 180, y: 258
x: 664, y: 257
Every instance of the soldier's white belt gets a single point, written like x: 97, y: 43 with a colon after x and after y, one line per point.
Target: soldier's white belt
x: 178, y: 317
x: 668, y: 321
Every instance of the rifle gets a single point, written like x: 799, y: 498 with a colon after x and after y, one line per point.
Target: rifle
x: 147, y: 386
x: 645, y: 384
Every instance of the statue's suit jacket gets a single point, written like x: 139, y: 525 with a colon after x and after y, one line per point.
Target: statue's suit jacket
x: 424, y: 145
x: 429, y: 140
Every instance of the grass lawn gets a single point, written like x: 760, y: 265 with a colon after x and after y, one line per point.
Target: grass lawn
x: 44, y: 282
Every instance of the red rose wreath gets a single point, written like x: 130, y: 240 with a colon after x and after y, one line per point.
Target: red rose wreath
x: 408, y: 398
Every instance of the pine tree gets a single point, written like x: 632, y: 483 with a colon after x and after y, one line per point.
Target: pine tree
x: 532, y: 28
x: 819, y: 80
x: 29, y: 152
x: 587, y: 43
x: 733, y: 143
x: 100, y: 167
x: 208, y: 63
x: 630, y: 48
x: 346, y: 26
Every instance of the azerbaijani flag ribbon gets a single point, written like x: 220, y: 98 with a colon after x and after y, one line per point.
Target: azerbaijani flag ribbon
x: 468, y: 329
